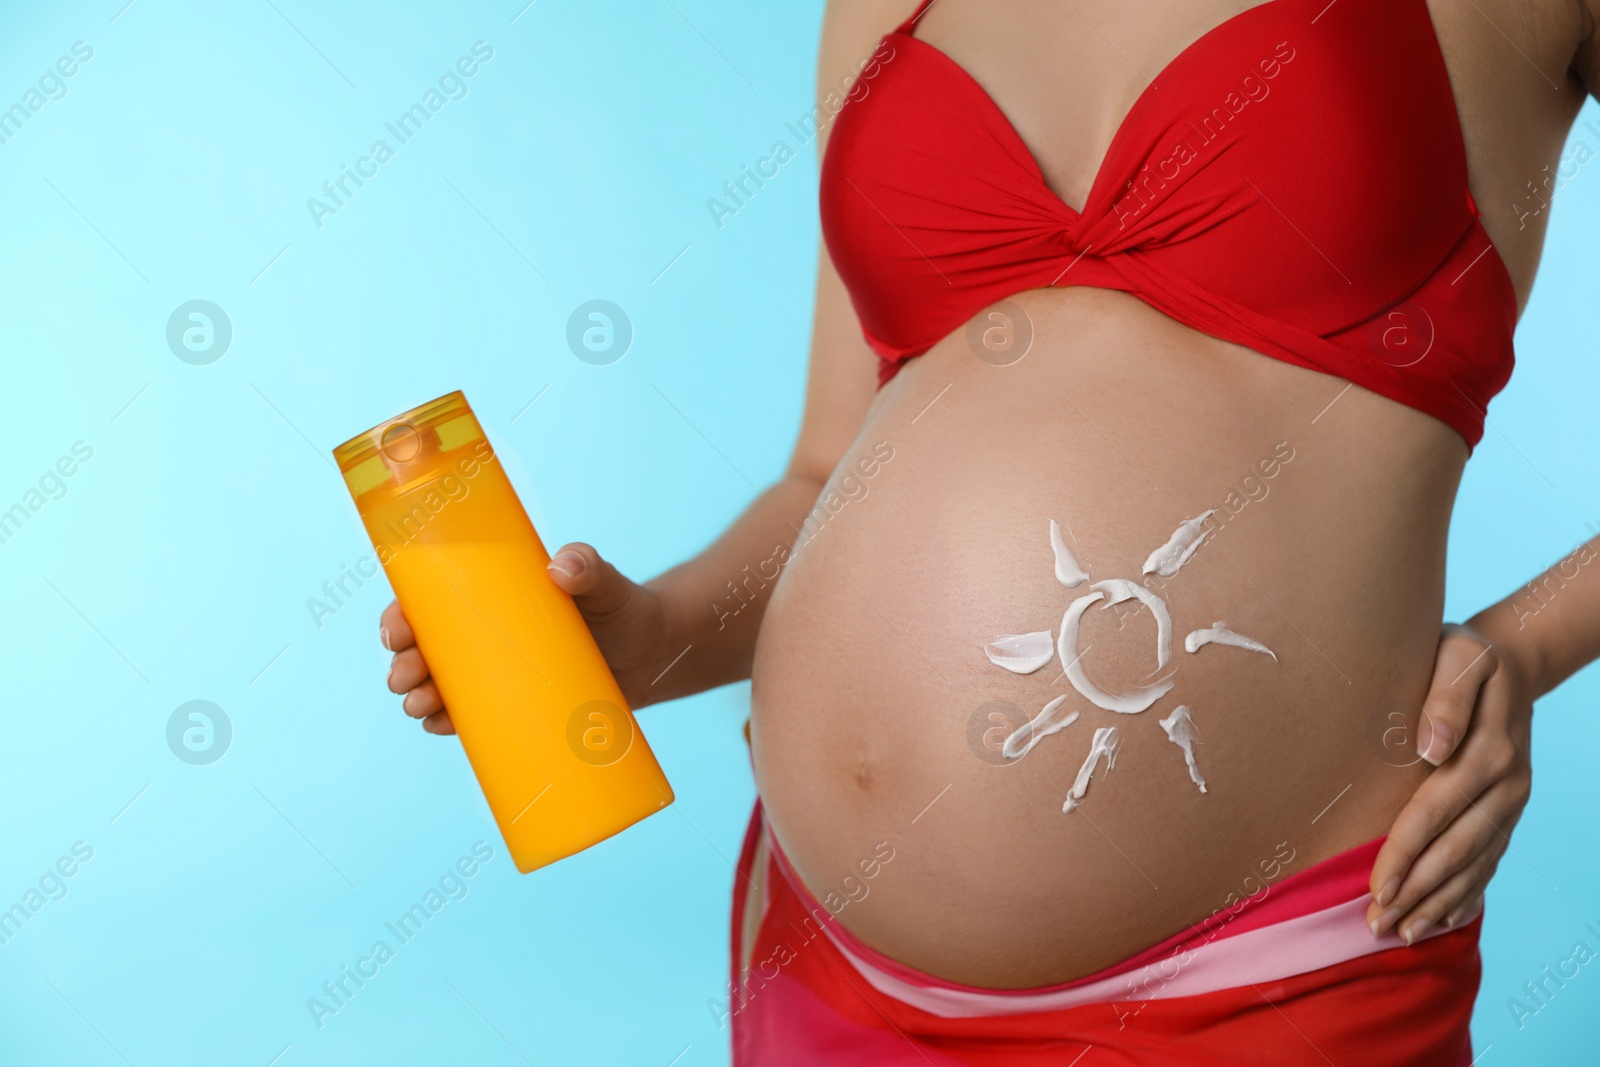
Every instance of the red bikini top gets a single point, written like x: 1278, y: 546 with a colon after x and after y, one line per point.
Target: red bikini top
x: 1294, y: 181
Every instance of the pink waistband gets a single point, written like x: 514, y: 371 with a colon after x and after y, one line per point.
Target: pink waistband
x: 1311, y: 920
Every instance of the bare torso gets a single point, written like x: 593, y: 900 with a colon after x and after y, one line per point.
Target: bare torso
x: 871, y: 694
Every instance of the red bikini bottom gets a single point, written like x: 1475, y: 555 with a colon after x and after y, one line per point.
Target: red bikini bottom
x: 1291, y: 975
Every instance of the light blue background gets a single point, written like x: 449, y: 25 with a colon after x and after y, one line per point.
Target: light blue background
x: 180, y: 560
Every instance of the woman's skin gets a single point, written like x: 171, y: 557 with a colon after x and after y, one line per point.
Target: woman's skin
x: 865, y: 656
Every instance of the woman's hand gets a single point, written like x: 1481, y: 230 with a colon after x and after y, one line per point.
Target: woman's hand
x: 628, y: 621
x: 1447, y: 841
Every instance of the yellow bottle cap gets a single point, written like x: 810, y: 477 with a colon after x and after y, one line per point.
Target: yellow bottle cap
x: 399, y: 451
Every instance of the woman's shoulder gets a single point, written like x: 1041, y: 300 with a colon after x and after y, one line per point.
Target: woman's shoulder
x: 851, y: 30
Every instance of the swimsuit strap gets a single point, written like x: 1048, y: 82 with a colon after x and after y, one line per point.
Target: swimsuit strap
x: 909, y: 24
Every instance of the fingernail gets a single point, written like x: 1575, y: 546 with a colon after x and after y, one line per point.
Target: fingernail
x: 383, y: 637
x: 1435, y: 742
x: 568, y: 563
x: 1453, y: 918
x: 1386, y: 894
x: 1416, y: 931
x: 1387, y: 920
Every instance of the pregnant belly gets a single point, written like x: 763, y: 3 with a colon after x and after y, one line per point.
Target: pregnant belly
x: 879, y: 722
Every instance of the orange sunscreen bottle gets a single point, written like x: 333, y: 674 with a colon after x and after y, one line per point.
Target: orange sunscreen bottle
x: 550, y: 737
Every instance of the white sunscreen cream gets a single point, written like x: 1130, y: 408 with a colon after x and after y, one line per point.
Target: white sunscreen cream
x: 1180, y: 731
x: 1119, y: 589
x: 1105, y: 744
x: 1021, y: 653
x: 1024, y: 737
x: 1027, y: 653
x: 1067, y: 649
x: 1068, y: 573
x: 1166, y: 560
x: 1219, y: 634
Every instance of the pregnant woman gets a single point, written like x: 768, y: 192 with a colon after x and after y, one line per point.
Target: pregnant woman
x: 1101, y: 701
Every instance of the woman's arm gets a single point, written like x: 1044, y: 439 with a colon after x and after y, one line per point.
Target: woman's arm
x: 684, y: 619
x: 714, y: 603
x: 1551, y: 625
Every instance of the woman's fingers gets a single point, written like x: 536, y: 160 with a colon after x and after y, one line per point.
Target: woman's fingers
x: 1458, y: 811
x: 1468, y: 690
x: 423, y: 700
x: 1478, y: 836
x: 394, y: 633
x: 599, y: 588
x: 1417, y: 855
x: 1455, y: 900
x: 1449, y: 838
x: 1471, y: 906
x: 1436, y: 804
x: 407, y: 671
x: 1464, y: 662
